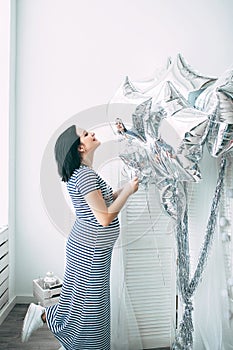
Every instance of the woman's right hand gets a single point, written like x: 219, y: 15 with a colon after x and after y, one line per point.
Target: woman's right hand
x: 132, y: 185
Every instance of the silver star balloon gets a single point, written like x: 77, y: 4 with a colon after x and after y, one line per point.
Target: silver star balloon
x: 227, y: 88
x: 164, y: 145
x: 181, y: 126
x: 142, y: 113
x: 185, y: 78
x: 127, y: 93
x: 172, y: 157
x: 220, y: 137
x: 217, y: 102
x: 167, y: 103
x: 134, y: 89
x: 207, y: 96
x: 178, y: 72
x: 189, y: 78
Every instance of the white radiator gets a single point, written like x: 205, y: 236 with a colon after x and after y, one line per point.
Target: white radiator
x: 4, y: 267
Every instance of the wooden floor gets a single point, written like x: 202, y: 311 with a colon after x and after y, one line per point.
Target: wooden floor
x: 10, y: 333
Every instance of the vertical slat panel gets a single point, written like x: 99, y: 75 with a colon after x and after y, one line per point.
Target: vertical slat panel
x: 4, y: 299
x: 4, y: 249
x: 3, y: 287
x: 4, y: 274
x: 150, y: 268
x: 4, y: 262
x: 4, y: 268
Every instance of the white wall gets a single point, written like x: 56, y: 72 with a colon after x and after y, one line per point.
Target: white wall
x: 4, y: 106
x: 72, y: 55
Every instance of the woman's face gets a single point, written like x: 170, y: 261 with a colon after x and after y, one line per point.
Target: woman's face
x: 87, y: 140
x: 119, y: 125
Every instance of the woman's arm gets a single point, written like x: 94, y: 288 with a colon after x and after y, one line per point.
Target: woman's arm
x: 105, y: 215
x: 116, y: 193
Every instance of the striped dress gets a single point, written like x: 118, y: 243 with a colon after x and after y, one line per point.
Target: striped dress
x: 81, y: 319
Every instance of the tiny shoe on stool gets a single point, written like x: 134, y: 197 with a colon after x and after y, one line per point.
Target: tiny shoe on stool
x: 32, y: 321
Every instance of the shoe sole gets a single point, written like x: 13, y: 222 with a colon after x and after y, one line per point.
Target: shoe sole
x: 27, y: 321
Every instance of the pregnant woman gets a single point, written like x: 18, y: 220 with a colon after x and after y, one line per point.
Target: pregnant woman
x: 81, y: 319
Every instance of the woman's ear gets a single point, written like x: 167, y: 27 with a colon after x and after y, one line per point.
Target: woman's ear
x: 81, y: 148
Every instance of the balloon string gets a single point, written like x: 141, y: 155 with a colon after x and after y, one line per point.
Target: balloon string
x: 107, y: 114
x: 156, y: 243
x: 158, y: 256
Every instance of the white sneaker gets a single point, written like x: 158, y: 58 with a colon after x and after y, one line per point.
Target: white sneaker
x: 32, y: 321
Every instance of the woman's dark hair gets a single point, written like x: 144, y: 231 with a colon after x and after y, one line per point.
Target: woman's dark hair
x: 67, y: 155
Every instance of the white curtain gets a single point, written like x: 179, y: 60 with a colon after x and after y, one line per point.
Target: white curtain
x: 211, y: 306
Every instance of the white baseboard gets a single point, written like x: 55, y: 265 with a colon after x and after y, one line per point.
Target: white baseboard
x: 22, y: 299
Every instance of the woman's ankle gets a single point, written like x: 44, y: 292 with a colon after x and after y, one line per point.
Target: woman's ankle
x: 43, y: 317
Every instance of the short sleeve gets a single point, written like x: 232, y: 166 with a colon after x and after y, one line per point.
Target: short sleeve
x: 87, y: 181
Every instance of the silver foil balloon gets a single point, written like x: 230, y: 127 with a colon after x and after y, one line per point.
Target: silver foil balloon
x: 167, y: 145
x: 157, y: 166
x: 220, y: 137
x: 141, y: 85
x: 153, y: 161
x: 173, y: 120
x: 208, y: 96
x: 128, y: 93
x: 177, y: 70
x: 151, y: 164
x: 185, y: 129
x: 227, y: 88
x: 165, y: 159
x: 189, y: 127
x: 136, y: 158
x: 180, y: 140
x: 168, y: 189
x: 217, y: 101
x: 185, y: 78
x: 142, y: 113
x: 166, y: 104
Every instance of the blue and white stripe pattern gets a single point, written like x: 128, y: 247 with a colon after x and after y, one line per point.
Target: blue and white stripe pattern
x: 81, y: 319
